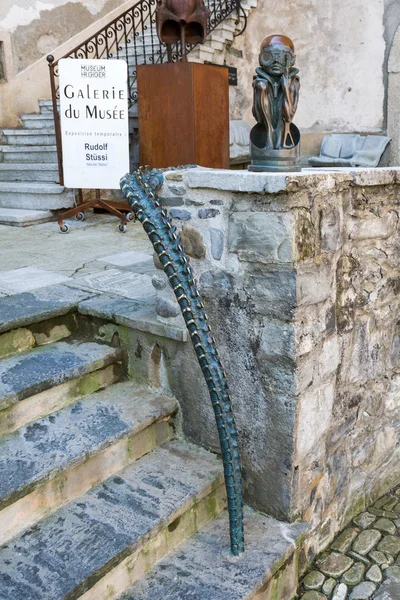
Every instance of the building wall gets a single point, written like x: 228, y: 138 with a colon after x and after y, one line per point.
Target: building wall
x: 38, y: 28
x: 35, y: 31
x: 301, y: 284
x: 393, y: 97
x: 342, y: 53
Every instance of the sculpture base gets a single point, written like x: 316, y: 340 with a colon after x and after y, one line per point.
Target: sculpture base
x: 272, y: 168
x: 267, y: 159
x: 183, y: 115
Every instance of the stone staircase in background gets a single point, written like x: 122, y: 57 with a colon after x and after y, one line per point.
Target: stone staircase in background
x: 29, y: 184
x: 100, y: 496
x: 29, y: 188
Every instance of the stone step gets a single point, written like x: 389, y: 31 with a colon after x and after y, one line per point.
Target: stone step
x: 49, y: 315
x: 202, y: 568
x: 133, y: 111
x: 207, y: 51
x: 46, y: 106
x: 42, y: 304
x: 37, y: 196
x: 28, y: 154
x: 16, y: 217
x: 39, y: 369
x: 247, y: 7
x: 56, y: 459
x: 214, y: 44
x: 214, y: 35
x: 124, y: 312
x: 226, y: 30
x: 38, y: 121
x: 204, y: 54
x: 31, y: 187
x: 141, y: 59
x: 143, y: 46
x: 26, y: 172
x: 29, y: 137
x: 96, y: 546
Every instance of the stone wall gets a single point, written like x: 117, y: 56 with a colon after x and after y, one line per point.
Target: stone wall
x: 300, y: 276
x: 393, y: 110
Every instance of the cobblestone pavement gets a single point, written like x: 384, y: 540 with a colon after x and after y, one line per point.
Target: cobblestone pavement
x: 363, y: 562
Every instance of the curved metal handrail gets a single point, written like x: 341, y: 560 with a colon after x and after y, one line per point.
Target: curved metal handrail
x: 140, y: 189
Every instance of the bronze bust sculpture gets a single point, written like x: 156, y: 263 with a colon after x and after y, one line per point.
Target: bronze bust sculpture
x: 182, y: 20
x: 274, y: 141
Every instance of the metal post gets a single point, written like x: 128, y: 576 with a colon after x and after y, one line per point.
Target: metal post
x: 57, y: 127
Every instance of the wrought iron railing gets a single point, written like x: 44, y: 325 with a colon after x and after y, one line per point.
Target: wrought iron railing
x: 132, y: 36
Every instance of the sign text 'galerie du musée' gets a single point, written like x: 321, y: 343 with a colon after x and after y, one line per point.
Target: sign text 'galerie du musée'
x: 94, y: 122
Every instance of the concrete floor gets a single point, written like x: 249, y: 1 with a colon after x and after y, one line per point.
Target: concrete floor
x: 44, y: 247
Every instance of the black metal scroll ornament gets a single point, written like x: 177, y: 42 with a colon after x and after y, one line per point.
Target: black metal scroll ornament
x: 140, y: 191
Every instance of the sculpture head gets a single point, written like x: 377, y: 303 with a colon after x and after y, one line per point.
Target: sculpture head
x: 277, y: 55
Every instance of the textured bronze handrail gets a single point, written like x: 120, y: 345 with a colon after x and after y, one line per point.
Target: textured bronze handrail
x: 140, y: 189
x: 132, y: 36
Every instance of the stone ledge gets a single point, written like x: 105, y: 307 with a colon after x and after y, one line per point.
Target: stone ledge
x: 272, y: 183
x: 211, y: 572
x: 131, y: 314
x: 38, y: 305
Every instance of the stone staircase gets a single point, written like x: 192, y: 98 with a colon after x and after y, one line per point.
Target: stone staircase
x: 29, y: 189
x: 97, y: 488
x: 29, y: 183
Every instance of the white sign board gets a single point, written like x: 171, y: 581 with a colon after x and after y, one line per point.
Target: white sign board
x: 94, y: 122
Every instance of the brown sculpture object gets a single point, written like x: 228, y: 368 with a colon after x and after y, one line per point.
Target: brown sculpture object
x: 182, y: 20
x: 274, y: 140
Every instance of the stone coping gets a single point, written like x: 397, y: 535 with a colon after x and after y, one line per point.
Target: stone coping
x: 26, y: 308
x: 132, y: 314
x: 271, y: 183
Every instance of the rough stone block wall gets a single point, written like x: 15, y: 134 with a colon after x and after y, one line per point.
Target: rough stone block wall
x: 301, y: 279
x: 347, y: 349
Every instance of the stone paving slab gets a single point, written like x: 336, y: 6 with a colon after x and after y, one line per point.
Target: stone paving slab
x: 203, y: 568
x: 389, y: 590
x: 41, y: 368
x: 135, y: 286
x: 86, y: 241
x: 98, y: 530
x: 363, y: 556
x: 137, y: 315
x: 128, y: 259
x: 36, y: 452
x: 23, y: 218
x: 26, y: 279
x: 38, y: 305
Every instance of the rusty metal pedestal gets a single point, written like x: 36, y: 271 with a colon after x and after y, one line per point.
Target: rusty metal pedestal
x: 183, y: 115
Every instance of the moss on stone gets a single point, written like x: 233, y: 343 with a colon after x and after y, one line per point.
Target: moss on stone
x: 17, y: 340
x: 91, y: 382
